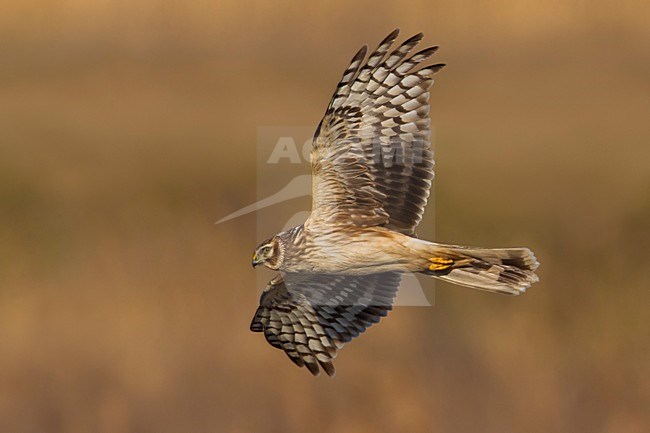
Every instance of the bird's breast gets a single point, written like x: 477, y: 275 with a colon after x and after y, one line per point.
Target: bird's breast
x: 346, y: 252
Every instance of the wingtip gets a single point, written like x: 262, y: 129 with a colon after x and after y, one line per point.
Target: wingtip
x: 388, y: 40
x: 360, y: 54
x: 414, y: 39
x: 328, y: 367
x: 392, y: 35
x: 313, y: 368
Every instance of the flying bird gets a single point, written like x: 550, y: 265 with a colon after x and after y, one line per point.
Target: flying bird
x: 372, y: 168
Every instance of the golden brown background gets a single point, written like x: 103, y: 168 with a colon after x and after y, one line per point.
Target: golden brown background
x: 128, y: 127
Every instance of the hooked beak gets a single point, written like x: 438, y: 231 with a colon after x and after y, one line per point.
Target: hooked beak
x: 255, y: 262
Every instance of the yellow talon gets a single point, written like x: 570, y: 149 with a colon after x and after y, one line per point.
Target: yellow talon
x: 439, y: 263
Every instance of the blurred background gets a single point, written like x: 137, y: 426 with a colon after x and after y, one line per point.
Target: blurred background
x: 128, y: 127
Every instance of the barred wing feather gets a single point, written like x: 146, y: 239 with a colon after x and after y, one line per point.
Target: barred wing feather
x: 371, y: 158
x: 310, y: 317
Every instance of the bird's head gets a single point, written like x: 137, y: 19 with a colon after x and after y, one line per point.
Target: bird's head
x: 269, y: 253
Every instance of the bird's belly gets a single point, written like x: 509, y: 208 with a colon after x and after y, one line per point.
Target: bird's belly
x: 356, y: 255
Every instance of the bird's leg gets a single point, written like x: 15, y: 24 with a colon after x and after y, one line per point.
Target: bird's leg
x: 440, y: 263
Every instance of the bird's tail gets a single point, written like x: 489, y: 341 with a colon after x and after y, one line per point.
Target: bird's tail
x: 502, y: 270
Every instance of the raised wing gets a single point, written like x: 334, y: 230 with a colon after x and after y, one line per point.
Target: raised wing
x: 310, y: 317
x: 371, y: 159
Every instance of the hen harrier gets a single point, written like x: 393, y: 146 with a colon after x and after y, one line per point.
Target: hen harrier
x: 372, y: 169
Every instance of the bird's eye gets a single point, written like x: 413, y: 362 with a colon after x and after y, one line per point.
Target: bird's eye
x: 266, y: 250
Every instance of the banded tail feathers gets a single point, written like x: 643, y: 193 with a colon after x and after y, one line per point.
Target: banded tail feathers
x: 502, y: 270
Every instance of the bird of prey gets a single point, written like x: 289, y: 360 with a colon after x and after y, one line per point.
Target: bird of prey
x: 372, y: 168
